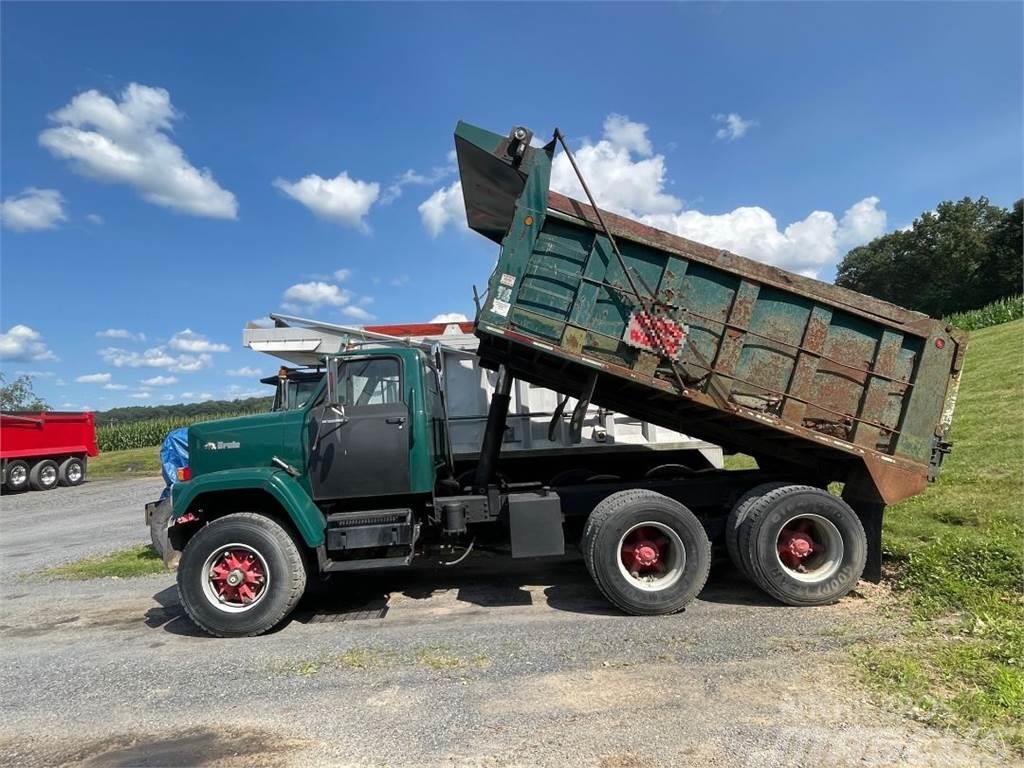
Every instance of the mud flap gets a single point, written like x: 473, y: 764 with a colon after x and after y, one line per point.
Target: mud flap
x: 158, y: 514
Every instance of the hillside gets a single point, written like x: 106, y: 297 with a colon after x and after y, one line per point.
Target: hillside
x: 956, y: 554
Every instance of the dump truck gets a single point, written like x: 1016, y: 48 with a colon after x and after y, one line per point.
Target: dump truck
x: 40, y: 450
x: 539, y: 442
x: 818, y: 384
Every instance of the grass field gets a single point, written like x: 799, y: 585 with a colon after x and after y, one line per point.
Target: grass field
x: 957, y: 559
x: 135, y: 462
x: 137, y: 561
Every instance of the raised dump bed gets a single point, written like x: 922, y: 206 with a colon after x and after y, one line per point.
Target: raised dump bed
x: 756, y: 359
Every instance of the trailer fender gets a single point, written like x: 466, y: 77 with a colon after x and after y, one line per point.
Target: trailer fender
x: 308, y: 519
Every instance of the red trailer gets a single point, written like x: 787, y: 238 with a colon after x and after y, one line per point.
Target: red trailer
x: 41, y: 450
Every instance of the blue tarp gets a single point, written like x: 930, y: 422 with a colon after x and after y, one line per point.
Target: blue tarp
x: 173, y: 455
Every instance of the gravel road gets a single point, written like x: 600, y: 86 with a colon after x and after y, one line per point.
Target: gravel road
x: 493, y: 664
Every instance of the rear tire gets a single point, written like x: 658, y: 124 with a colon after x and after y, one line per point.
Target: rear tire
x: 678, y: 553
x: 737, y: 517
x: 803, y: 545
x: 258, y: 551
x: 16, y: 476
x: 44, y: 475
x: 72, y: 471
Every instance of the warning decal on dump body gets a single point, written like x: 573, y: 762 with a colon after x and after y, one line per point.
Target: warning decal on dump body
x: 507, y: 279
x: 655, y: 333
x: 500, y: 307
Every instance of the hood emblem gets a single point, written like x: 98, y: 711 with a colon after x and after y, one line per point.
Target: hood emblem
x: 221, y: 445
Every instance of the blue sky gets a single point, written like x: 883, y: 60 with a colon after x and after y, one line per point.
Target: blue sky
x: 170, y: 172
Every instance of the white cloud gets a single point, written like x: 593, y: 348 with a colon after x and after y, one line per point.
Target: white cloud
x: 141, y: 395
x: 733, y: 126
x: 261, y: 322
x: 36, y: 374
x: 94, y: 218
x: 155, y: 357
x: 316, y: 293
x: 356, y: 313
x: 628, y: 177
x: 127, y: 142
x: 190, y: 341
x: 341, y: 275
x: 620, y: 182
x: 115, y: 387
x: 25, y: 344
x: 196, y: 396
x: 411, y: 177
x: 862, y: 223
x: 449, y: 317
x: 805, y: 246
x: 623, y: 132
x: 443, y: 207
x: 120, y: 333
x: 159, y: 381
x: 341, y: 199
x: 94, y: 378
x: 400, y: 281
x: 33, y: 209
x: 248, y: 372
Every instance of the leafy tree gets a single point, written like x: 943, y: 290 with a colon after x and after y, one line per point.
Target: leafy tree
x: 962, y: 255
x: 18, y: 395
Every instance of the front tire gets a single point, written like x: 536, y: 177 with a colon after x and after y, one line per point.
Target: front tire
x: 240, y: 575
x: 648, y: 554
x: 44, y: 475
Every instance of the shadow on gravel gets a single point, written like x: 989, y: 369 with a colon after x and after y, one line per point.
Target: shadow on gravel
x: 170, y: 616
x: 490, y: 582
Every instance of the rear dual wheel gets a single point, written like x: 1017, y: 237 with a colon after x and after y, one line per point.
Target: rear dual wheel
x: 44, y: 475
x: 800, y: 544
x: 647, y: 553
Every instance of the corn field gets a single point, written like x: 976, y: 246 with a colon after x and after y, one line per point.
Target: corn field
x: 142, y: 434
x: 996, y: 313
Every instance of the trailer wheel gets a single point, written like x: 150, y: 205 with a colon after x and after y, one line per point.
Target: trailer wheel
x: 16, y: 475
x: 240, y: 575
x: 803, y: 545
x: 44, y: 475
x: 737, y: 518
x: 71, y: 471
x: 647, y: 553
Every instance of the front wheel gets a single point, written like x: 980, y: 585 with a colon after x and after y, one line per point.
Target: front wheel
x: 647, y: 553
x: 241, y: 575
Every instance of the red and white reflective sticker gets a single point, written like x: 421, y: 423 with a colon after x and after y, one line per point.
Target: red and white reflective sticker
x: 645, y: 330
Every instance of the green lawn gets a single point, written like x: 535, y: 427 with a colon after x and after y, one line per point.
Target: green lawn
x: 137, y: 561
x: 136, y: 462
x: 956, y: 554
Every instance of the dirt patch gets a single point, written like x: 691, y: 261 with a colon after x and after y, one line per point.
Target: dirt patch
x: 228, y: 747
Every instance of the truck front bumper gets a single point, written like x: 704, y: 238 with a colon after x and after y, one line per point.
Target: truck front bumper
x: 158, y: 516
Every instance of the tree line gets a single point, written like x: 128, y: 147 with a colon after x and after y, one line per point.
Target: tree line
x: 961, y: 256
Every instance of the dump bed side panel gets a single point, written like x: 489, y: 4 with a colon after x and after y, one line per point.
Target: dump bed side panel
x: 771, y: 363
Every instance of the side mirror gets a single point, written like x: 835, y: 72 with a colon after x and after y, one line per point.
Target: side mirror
x: 333, y: 399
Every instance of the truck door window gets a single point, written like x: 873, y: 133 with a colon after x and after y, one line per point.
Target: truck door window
x: 371, y: 382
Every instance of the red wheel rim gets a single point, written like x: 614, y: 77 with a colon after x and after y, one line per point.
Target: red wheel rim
x: 810, y: 548
x: 237, y: 576
x: 644, y: 551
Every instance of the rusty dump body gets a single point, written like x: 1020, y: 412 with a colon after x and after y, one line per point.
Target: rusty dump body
x: 794, y: 371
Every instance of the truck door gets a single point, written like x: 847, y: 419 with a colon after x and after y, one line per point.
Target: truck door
x: 363, y: 446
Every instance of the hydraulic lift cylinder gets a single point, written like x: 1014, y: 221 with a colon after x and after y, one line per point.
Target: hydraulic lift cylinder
x: 494, y: 434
